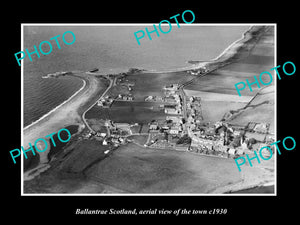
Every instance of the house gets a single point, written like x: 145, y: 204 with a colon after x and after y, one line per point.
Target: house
x: 251, y: 126
x: 108, y: 123
x: 115, y: 140
x: 232, y: 151
x: 177, y: 98
x: 175, y: 119
x: 94, y: 70
x: 149, y: 98
x: 154, y: 126
x: 122, y: 126
x: 174, y: 130
x: 104, y: 142
x: 202, y: 142
x: 171, y: 111
x: 261, y: 128
x: 99, y: 103
x: 240, y: 152
x: 171, y: 87
x: 159, y: 98
x: 103, y: 134
x: 165, y: 127
x: 170, y: 99
x: 182, y: 148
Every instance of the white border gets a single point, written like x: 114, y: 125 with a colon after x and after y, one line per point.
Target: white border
x: 146, y: 24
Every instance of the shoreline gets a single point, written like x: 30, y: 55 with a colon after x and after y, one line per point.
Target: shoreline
x: 67, y: 113
x: 57, y: 107
x: 200, y: 63
x: 228, y: 53
x: 232, y: 44
x: 190, y: 67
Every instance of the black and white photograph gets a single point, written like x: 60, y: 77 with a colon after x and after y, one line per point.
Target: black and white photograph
x: 152, y: 111
x: 184, y: 113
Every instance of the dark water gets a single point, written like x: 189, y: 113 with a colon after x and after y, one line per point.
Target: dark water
x: 111, y: 49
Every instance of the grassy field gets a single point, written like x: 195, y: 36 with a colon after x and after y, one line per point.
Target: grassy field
x: 260, y: 110
x: 140, y: 170
x: 127, y: 112
x: 140, y: 139
x: 84, y: 168
x: 213, y: 111
x: 66, y: 174
x: 260, y: 59
x: 217, y: 97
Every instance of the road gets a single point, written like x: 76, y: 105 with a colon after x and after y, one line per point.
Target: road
x: 183, y: 97
x: 112, y: 81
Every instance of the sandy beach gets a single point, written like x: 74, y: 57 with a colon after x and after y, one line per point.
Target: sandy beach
x: 68, y: 113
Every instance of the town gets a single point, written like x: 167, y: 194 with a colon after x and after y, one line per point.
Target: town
x: 183, y: 128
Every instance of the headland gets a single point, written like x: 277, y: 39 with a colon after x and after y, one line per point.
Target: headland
x: 91, y: 166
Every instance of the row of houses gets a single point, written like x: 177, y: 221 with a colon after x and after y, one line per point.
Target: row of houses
x: 173, y: 128
x: 125, y: 97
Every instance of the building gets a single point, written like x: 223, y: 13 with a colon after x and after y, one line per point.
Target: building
x: 149, y: 98
x: 170, y: 100
x: 105, y: 102
x: 202, y: 143
x: 175, y: 119
x: 232, y: 151
x: 159, y: 98
x: 174, y: 130
x: 261, y: 128
x: 171, y: 87
x: 99, y: 103
x: 94, y: 70
x: 122, y: 126
x: 182, y: 148
x: 153, y: 125
x: 240, y: 151
x: 171, y: 109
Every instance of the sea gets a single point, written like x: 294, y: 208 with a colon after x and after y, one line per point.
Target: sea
x: 112, y: 48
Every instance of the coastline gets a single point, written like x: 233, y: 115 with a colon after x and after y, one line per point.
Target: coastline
x: 190, y: 67
x: 201, y: 63
x: 224, y: 57
x: 67, y: 113
x: 57, y: 107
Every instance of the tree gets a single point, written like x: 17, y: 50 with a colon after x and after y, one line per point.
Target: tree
x: 185, y: 139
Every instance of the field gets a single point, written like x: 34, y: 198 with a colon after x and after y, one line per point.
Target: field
x: 97, y: 125
x: 84, y: 168
x: 139, y: 139
x: 260, y: 59
x: 140, y: 170
x: 213, y: 111
x: 128, y: 112
x: 66, y: 174
x: 219, y: 95
x: 260, y: 110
